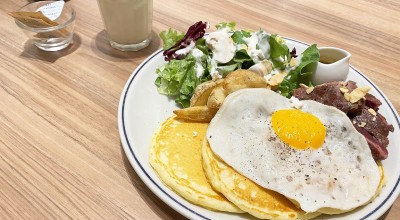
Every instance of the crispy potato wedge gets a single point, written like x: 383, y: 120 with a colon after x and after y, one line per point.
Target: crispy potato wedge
x: 203, y: 91
x: 196, y: 113
x: 216, y: 97
x: 240, y: 79
x: 209, y: 96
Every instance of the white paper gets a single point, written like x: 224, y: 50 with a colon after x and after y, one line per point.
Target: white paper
x: 52, y: 10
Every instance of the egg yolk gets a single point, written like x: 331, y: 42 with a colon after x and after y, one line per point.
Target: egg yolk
x: 298, y: 129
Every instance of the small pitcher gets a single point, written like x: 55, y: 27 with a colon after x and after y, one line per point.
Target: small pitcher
x: 333, y: 65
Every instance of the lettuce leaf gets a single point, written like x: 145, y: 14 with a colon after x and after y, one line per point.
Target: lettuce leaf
x: 279, y: 52
x: 201, y: 45
x: 238, y: 36
x: 230, y: 25
x: 178, y: 79
x: 303, y: 72
x: 226, y: 69
x: 170, y: 37
x: 172, y: 75
x: 187, y: 88
x: 241, y: 56
x: 242, y: 59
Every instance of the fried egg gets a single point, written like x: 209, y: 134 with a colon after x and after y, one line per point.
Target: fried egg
x: 312, y: 155
x: 247, y: 195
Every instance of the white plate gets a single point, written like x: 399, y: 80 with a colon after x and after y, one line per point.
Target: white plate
x: 142, y: 110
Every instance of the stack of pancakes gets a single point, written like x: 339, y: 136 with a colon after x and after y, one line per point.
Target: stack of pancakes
x: 183, y: 159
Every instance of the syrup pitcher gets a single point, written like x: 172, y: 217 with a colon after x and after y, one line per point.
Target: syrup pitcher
x: 333, y: 65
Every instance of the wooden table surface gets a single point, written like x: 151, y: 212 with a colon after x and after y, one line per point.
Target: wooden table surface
x: 60, y: 150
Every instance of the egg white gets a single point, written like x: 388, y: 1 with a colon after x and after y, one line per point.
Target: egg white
x: 341, y: 174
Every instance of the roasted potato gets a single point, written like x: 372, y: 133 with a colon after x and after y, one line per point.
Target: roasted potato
x: 203, y: 91
x: 209, y: 96
x: 240, y: 79
x: 216, y: 97
x: 196, y: 113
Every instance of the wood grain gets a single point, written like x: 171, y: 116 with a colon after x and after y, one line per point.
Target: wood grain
x: 60, y: 152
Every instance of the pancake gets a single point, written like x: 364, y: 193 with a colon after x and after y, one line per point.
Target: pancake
x: 186, y: 164
x: 176, y: 157
x: 248, y: 196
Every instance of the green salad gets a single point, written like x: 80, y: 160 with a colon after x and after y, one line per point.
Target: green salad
x: 195, y: 57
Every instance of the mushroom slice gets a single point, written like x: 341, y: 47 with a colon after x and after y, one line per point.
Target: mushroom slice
x: 221, y: 45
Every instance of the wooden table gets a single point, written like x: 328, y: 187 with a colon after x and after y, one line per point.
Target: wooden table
x: 60, y: 151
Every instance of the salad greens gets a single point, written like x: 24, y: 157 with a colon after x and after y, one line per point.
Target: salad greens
x: 303, y: 72
x: 230, y: 25
x: 190, y: 59
x: 178, y: 79
x: 279, y: 54
x: 179, y: 49
x: 170, y: 37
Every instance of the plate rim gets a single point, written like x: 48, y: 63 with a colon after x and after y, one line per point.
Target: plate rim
x: 142, y: 173
x: 190, y: 213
